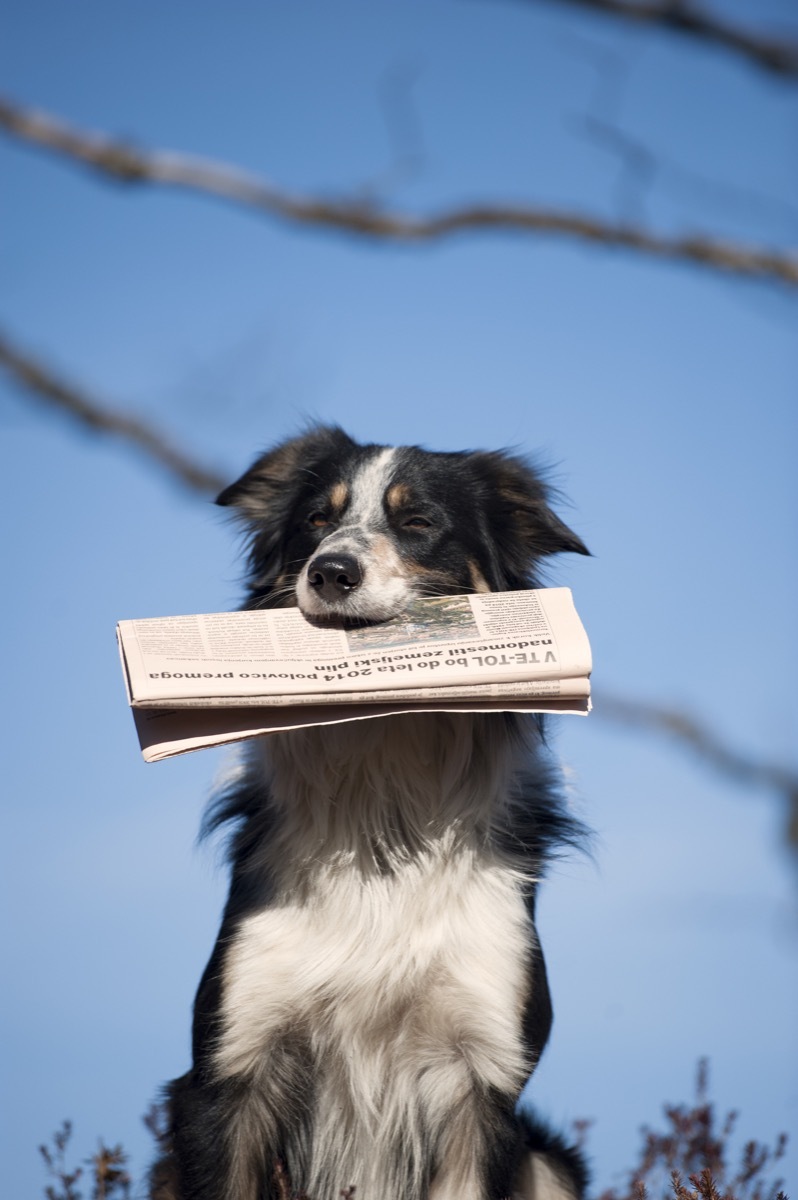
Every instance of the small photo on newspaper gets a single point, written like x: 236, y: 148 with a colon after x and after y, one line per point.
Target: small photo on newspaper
x: 213, y: 678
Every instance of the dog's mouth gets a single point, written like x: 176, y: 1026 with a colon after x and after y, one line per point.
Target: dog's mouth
x: 339, y: 620
x: 356, y: 611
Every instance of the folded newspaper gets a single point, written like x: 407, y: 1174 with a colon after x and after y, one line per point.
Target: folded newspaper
x: 206, y: 680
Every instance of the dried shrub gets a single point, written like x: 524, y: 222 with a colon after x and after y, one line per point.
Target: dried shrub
x: 696, y: 1145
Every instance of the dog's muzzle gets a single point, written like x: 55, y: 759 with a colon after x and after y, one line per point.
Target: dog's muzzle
x: 333, y: 576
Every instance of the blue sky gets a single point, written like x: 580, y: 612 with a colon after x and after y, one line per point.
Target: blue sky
x: 662, y: 396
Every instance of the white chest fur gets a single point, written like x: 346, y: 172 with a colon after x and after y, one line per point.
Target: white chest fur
x: 392, y: 941
x: 440, y: 947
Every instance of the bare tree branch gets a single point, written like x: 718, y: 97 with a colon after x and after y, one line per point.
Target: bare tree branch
x: 777, y: 55
x: 43, y: 383
x: 128, y: 164
x: 693, y: 735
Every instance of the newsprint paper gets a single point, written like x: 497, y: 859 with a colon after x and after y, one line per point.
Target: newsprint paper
x: 221, y: 677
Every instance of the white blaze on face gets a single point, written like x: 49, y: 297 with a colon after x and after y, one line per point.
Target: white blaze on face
x: 366, y: 512
x: 385, y: 587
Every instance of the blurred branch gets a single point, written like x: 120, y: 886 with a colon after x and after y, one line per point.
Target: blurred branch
x: 128, y: 164
x: 42, y: 382
x: 641, y: 170
x: 693, y: 735
x: 777, y: 55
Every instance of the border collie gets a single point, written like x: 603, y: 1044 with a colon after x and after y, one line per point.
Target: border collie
x: 377, y: 995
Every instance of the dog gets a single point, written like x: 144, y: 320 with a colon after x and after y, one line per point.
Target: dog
x: 377, y: 995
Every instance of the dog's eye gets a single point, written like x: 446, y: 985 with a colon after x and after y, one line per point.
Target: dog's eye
x: 318, y: 520
x: 417, y: 523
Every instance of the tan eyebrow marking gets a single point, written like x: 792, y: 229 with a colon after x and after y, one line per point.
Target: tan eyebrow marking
x: 398, y: 496
x: 339, y: 494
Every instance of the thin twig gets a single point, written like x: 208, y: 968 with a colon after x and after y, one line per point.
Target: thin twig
x: 130, y: 165
x: 777, y: 55
x: 39, y: 380
x: 695, y: 736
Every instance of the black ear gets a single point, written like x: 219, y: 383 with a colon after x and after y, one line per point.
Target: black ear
x: 524, y: 526
x: 260, y: 495
x: 265, y: 495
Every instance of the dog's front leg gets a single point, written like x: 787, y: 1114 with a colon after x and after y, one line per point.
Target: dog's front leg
x: 241, y: 1112
x: 223, y: 1144
x: 502, y: 1009
x: 231, y: 1136
x: 478, y: 1149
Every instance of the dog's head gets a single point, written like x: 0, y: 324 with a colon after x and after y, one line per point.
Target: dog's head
x: 353, y: 533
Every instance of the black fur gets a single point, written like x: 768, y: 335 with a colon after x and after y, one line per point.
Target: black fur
x: 455, y: 522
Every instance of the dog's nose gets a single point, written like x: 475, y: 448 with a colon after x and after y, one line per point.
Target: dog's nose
x: 334, y: 575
